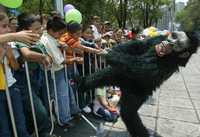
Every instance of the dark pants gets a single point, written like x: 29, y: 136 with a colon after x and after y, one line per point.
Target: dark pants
x: 130, y: 104
x: 107, y: 115
x: 37, y: 82
x: 5, y: 123
x: 71, y: 76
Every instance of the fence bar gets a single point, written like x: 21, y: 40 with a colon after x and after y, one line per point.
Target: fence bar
x: 83, y: 67
x: 56, y: 96
x: 65, y: 65
x: 9, y: 100
x: 49, y: 101
x: 92, y: 125
x: 31, y: 99
x: 100, y: 62
x: 75, y: 72
x: 90, y: 72
x: 95, y: 63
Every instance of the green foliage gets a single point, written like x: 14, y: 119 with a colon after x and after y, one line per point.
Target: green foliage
x: 147, y: 12
x: 189, y: 17
x: 119, y: 12
x: 33, y: 6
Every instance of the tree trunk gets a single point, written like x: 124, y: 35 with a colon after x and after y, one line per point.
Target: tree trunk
x: 40, y: 10
x: 124, y: 13
x: 121, y: 13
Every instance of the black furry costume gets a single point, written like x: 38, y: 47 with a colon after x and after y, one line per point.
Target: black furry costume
x: 138, y: 71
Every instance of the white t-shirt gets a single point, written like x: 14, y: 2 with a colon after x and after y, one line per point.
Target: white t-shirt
x: 15, y: 50
x: 9, y: 76
x: 96, y: 34
x: 51, y: 45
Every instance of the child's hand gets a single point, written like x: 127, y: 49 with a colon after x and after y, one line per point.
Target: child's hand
x: 46, y: 61
x: 79, y: 60
x: 112, y: 109
x: 102, y: 52
x: 27, y: 37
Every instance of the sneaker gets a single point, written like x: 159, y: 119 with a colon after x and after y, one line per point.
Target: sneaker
x: 87, y: 109
x: 67, y: 125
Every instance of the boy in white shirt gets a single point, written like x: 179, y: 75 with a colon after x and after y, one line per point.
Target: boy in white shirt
x: 66, y: 100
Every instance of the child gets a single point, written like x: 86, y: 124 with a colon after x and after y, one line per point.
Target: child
x: 72, y: 39
x: 103, y: 108
x: 32, y: 22
x: 66, y: 100
x: 5, y: 129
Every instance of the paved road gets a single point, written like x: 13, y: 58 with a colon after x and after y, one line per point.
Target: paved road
x: 174, y: 113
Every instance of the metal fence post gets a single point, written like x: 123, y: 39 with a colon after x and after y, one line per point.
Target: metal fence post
x: 31, y: 99
x: 9, y: 100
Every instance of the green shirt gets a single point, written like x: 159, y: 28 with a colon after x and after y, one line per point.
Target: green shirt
x: 38, y: 47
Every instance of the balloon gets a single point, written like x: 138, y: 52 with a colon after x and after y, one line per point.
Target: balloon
x: 150, y: 32
x: 73, y: 15
x: 68, y: 7
x: 11, y: 3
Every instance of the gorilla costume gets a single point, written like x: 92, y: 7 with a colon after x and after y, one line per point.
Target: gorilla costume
x: 137, y: 69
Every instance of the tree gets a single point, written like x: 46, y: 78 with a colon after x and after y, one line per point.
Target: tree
x: 37, y: 6
x: 143, y: 12
x: 147, y: 11
x: 88, y: 8
x: 189, y: 17
x: 119, y: 12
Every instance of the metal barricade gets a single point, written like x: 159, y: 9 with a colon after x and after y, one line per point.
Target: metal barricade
x: 99, y: 129
x: 9, y: 98
x: 90, y: 72
x: 56, y: 96
x: 50, y: 101
x: 75, y: 72
x: 31, y: 98
x: 98, y: 65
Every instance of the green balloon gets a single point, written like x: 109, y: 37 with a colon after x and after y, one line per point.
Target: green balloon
x: 73, y: 15
x: 11, y: 3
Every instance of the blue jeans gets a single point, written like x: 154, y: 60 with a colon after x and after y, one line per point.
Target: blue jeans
x: 66, y: 99
x: 107, y: 115
x: 38, y: 87
x: 5, y: 123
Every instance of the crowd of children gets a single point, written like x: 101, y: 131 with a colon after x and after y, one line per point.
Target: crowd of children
x: 62, y: 49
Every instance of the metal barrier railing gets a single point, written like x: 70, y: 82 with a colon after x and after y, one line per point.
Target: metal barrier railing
x: 50, y: 100
x: 90, y: 72
x: 9, y: 98
x: 75, y: 73
x: 56, y: 97
x: 98, y: 129
x: 31, y: 99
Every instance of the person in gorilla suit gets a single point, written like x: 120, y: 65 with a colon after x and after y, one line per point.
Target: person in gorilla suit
x: 138, y: 68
